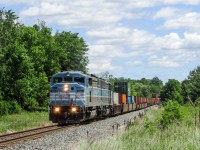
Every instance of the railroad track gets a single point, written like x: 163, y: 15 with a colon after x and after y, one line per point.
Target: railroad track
x: 17, y: 137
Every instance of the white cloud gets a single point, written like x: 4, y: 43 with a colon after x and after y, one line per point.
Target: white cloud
x: 167, y: 12
x: 11, y: 2
x: 45, y: 9
x: 132, y: 45
x: 163, y: 62
x: 190, y: 21
x: 78, y: 13
x: 186, y: 2
x: 192, y: 40
x: 137, y: 62
x: 171, y: 41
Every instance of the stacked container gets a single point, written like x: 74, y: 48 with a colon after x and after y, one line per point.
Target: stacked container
x: 137, y: 99
x: 133, y: 99
x: 152, y: 101
x: 116, y: 98
x: 144, y: 100
x: 122, y: 87
x: 129, y: 100
x: 122, y: 98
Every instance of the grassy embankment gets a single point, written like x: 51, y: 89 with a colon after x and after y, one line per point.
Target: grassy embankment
x: 146, y: 134
x: 22, y: 121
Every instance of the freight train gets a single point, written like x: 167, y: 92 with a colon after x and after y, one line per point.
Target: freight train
x: 76, y: 97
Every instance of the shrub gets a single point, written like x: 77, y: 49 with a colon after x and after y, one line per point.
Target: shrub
x: 30, y: 104
x: 3, y: 108
x: 14, y: 107
x: 9, y: 107
x: 170, y: 114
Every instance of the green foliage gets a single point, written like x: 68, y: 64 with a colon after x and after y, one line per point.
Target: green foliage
x: 172, y: 91
x: 72, y: 51
x: 28, y: 58
x: 9, y: 107
x: 191, y: 86
x: 143, y: 90
x: 170, y: 114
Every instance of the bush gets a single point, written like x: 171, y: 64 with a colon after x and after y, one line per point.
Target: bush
x: 14, y: 107
x: 3, y: 108
x: 31, y: 104
x: 9, y: 107
x: 170, y: 114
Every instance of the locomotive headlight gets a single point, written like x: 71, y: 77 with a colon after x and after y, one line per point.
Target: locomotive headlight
x: 66, y: 88
x: 74, y: 109
x: 57, y: 109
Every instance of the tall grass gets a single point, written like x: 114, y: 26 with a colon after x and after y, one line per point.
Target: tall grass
x: 24, y: 120
x: 146, y: 134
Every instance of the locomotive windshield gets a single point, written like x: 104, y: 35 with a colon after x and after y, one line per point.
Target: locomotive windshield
x: 68, y: 79
x: 79, y: 79
x: 57, y: 79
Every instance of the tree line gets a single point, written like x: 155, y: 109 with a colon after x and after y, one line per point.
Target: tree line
x: 187, y: 91
x: 29, y: 55
x: 142, y: 88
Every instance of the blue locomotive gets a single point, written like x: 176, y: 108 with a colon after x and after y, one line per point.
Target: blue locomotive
x: 76, y: 97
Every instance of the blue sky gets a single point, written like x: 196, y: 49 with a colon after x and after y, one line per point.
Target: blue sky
x: 127, y: 38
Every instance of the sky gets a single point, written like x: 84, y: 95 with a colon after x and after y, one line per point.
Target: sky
x: 128, y: 38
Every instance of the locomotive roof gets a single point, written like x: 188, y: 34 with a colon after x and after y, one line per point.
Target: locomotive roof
x: 78, y: 72
x: 70, y: 72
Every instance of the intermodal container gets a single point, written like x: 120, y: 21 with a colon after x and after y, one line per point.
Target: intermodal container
x: 137, y: 99
x: 122, y: 87
x: 152, y: 101
x: 144, y: 100
x: 116, y: 98
x: 124, y: 98
x: 140, y: 100
x: 129, y: 99
x: 133, y: 99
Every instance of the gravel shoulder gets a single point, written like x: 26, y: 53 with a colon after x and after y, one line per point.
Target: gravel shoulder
x: 69, y: 139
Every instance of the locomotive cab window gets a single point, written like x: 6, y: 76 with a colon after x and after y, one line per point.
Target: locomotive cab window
x: 57, y: 79
x: 68, y: 79
x: 79, y: 79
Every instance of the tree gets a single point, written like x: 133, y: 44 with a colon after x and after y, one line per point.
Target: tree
x: 142, y: 90
x: 47, y: 42
x: 8, y: 37
x: 172, y: 91
x: 156, y: 85
x: 191, y: 86
x: 36, y: 44
x: 71, y: 51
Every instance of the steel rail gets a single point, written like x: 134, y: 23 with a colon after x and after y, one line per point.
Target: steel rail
x: 36, y: 133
